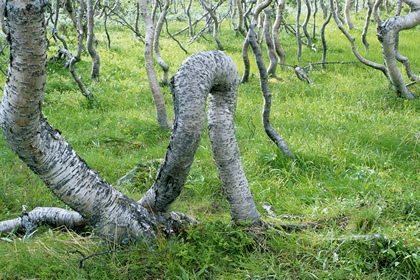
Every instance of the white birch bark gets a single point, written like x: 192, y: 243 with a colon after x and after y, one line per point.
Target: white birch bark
x: 96, y: 62
x: 162, y: 63
x: 204, y: 73
x: 48, y: 216
x: 388, y: 34
x: 113, y: 216
x: 161, y: 115
x: 349, y: 4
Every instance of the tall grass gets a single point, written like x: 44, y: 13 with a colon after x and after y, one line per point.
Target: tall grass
x: 356, y: 171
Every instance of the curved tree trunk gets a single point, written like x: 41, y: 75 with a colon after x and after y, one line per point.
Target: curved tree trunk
x: 213, y: 16
x: 241, y: 28
x: 305, y: 23
x: 349, y: 4
x: 159, y: 59
x: 161, y: 115
x: 113, y: 216
x: 89, y: 42
x: 366, y: 27
x: 269, y: 129
x: 218, y: 76
x: 387, y: 35
x: 80, y: 30
x: 271, y: 71
x: 275, y: 33
x: 324, y: 42
x: 314, y: 20
x: 324, y: 9
x: 363, y: 60
x: 245, y: 45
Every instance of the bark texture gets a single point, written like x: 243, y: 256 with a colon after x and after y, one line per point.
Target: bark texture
x: 49, y: 216
x: 388, y: 36
x: 204, y: 73
x: 113, y: 216
x: 96, y: 62
x: 161, y: 115
x: 269, y: 129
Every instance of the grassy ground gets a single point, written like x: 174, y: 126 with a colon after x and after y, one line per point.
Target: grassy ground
x: 356, y: 171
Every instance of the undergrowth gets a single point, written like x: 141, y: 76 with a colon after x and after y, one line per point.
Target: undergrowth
x: 356, y: 171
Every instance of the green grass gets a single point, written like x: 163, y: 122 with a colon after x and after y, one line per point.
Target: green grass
x: 356, y: 171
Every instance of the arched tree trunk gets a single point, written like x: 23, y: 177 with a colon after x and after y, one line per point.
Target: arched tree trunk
x: 218, y: 76
x: 114, y: 216
x: 161, y: 115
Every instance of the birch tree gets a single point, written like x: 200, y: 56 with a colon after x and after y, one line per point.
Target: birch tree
x: 114, y: 216
x: 388, y: 33
x: 161, y: 114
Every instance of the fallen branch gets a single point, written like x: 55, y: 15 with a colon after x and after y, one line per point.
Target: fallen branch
x: 43, y: 216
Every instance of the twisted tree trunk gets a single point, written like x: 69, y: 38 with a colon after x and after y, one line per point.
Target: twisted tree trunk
x: 217, y: 75
x: 114, y: 216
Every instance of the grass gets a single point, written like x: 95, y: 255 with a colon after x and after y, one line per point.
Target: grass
x: 356, y: 171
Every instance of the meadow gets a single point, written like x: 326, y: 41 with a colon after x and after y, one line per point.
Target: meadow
x: 355, y: 177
